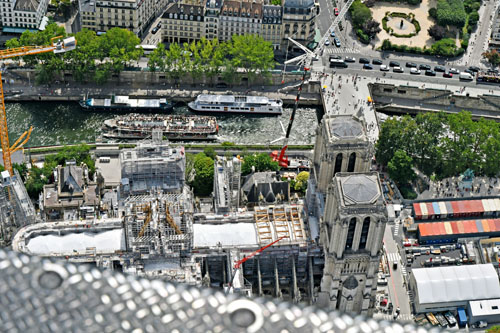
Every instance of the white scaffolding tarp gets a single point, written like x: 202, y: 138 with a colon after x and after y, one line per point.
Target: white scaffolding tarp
x: 456, y: 283
x: 227, y: 234
x: 106, y: 241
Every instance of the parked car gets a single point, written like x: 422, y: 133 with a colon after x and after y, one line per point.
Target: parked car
x: 367, y: 66
x: 398, y: 69
x: 364, y: 61
x: 448, y: 74
x: 336, y: 40
x: 411, y: 65
x: 466, y: 76
x: 341, y: 27
x: 430, y: 72
x: 415, y: 71
x: 468, y: 71
x: 155, y: 30
x: 327, y: 42
x: 335, y: 56
x: 393, y: 63
x: 474, y: 69
x: 336, y: 11
x: 350, y: 59
x: 332, y: 34
x: 394, y: 265
x: 384, y: 68
x: 377, y: 62
x: 480, y: 324
x: 454, y: 71
x: 424, y: 67
x: 440, y: 68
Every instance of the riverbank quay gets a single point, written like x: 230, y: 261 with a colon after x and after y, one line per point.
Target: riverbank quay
x: 18, y: 88
x: 38, y: 153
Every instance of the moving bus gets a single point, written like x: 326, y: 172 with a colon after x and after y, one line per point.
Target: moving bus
x: 337, y: 63
x: 488, y: 77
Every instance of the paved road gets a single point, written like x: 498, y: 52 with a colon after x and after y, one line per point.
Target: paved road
x: 397, y: 289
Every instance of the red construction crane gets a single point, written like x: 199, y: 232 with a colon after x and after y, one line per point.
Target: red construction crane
x: 237, y: 264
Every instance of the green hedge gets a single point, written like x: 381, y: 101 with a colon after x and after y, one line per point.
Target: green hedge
x: 410, y: 17
x: 439, y: 48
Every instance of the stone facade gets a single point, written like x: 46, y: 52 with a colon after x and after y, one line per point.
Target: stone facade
x: 183, y: 23
x: 240, y: 18
x: 134, y: 15
x: 299, y: 21
x: 272, y: 20
x: 23, y: 13
x: 342, y: 145
x: 351, y: 234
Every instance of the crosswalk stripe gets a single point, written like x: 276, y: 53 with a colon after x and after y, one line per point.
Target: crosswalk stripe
x: 337, y: 50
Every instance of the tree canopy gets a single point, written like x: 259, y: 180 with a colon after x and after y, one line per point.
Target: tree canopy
x: 261, y: 162
x: 442, y: 144
x: 203, y: 181
x: 451, y: 12
x: 400, y: 168
x: 493, y: 57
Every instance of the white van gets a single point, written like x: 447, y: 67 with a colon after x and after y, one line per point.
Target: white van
x: 466, y: 76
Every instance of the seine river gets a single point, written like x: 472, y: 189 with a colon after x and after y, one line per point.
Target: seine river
x: 67, y: 123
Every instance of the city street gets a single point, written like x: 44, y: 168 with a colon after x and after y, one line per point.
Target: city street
x: 396, y: 285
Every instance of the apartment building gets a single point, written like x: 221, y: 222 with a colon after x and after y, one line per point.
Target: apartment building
x: 212, y: 13
x: 299, y: 21
x: 240, y: 18
x: 183, y: 23
x: 17, y: 15
x: 494, y: 41
x: 272, y: 19
x: 134, y: 15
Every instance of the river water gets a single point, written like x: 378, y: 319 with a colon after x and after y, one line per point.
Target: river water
x: 67, y: 123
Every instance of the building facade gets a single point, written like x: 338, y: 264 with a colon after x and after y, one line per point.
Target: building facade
x: 351, y: 234
x: 240, y: 18
x: 212, y: 13
x: 299, y: 21
x: 23, y: 13
x: 134, y: 15
x: 183, y: 23
x: 272, y: 19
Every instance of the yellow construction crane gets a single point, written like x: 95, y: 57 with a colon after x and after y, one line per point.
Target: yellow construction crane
x: 148, y: 212
x: 58, y: 45
x: 172, y: 223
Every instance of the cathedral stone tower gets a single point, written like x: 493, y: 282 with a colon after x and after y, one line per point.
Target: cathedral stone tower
x: 341, y: 146
x: 351, y: 233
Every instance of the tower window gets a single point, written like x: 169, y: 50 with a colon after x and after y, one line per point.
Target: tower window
x: 352, y: 162
x: 350, y: 233
x: 364, y: 233
x: 338, y: 164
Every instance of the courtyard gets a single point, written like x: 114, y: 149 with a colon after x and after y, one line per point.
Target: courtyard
x: 421, y: 12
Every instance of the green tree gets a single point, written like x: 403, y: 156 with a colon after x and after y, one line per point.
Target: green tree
x: 493, y: 329
x: 301, y: 181
x: 445, y: 47
x: 210, y: 152
x: 400, y: 168
x: 261, y: 162
x: 204, y: 175
x: 395, y: 134
x: 156, y: 60
x: 360, y: 13
x: 493, y: 57
x: 451, y: 12
x: 252, y: 54
x: 426, y: 140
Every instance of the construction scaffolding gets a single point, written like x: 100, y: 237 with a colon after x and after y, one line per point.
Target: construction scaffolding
x: 152, y: 165
x: 159, y: 224
x: 16, y: 209
x: 273, y: 222
x: 227, y: 175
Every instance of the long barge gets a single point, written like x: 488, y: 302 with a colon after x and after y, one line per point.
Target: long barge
x: 236, y: 104
x: 126, y: 104
x: 174, y: 127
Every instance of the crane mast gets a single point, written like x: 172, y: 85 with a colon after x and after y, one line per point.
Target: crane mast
x: 61, y: 46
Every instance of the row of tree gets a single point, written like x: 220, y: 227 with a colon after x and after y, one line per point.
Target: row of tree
x: 440, y: 144
x: 250, y: 53
x: 96, y: 58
